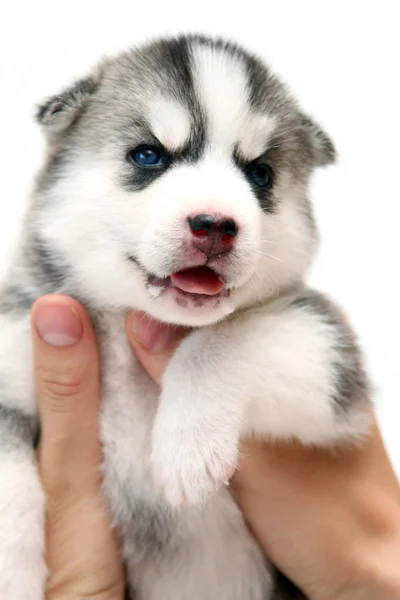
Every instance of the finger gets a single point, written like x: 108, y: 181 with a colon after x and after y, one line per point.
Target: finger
x: 154, y: 342
x: 67, y: 381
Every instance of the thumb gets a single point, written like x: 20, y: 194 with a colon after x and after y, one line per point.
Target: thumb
x: 68, y: 389
x: 154, y: 342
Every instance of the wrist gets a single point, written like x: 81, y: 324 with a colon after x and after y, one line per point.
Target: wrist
x: 373, y: 557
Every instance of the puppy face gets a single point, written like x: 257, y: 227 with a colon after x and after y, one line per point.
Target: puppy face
x: 176, y: 182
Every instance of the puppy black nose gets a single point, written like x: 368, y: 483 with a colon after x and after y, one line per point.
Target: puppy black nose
x: 229, y: 228
x: 213, y: 234
x: 202, y: 224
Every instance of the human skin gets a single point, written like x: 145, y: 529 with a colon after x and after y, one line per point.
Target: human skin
x: 329, y: 520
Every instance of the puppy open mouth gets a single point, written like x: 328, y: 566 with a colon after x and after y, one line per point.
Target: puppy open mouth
x: 198, y: 280
x: 198, y: 285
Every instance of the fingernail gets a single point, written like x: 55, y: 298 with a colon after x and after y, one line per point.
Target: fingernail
x: 152, y: 335
x: 58, y: 325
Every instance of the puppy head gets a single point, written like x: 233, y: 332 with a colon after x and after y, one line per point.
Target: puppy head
x: 176, y: 182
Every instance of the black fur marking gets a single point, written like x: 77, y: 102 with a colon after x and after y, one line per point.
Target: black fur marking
x: 265, y: 89
x: 149, y: 529
x: 16, y: 427
x: 182, y: 302
x: 134, y: 260
x: 265, y: 194
x: 175, y: 57
x: 49, y: 268
x: 43, y: 272
x: 15, y: 298
x: 140, y: 178
x: 350, y: 378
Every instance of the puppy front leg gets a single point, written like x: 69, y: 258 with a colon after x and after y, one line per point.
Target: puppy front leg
x: 199, y: 421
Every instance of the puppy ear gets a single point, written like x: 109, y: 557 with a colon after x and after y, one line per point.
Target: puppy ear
x: 322, y: 146
x: 57, y: 113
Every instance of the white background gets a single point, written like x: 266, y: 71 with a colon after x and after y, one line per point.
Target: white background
x: 341, y: 60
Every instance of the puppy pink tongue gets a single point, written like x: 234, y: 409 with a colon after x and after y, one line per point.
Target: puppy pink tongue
x: 199, y: 280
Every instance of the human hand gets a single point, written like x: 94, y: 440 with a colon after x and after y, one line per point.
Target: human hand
x: 330, y: 520
x: 82, y: 548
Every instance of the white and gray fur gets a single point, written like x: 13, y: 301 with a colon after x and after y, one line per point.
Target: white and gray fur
x: 274, y: 359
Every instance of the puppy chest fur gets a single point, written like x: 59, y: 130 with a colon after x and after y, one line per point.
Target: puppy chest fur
x: 176, y: 183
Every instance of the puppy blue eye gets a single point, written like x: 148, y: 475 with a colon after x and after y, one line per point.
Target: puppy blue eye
x: 260, y: 175
x: 146, y: 156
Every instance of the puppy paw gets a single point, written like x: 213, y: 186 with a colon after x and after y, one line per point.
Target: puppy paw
x: 191, y: 463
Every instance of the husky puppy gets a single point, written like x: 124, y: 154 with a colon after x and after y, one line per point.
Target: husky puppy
x: 176, y: 183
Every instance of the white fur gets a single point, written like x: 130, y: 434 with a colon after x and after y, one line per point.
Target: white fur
x: 169, y: 122
x: 22, y: 529
x: 222, y: 86
x: 16, y: 358
x: 218, y: 559
x: 255, y: 134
